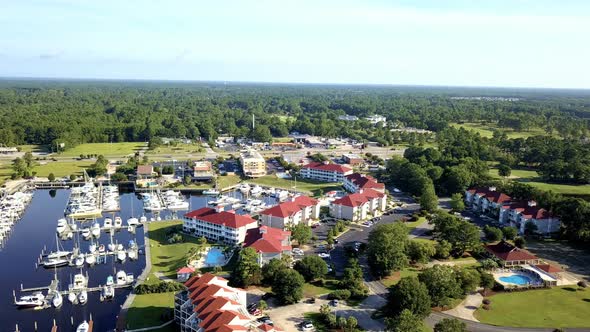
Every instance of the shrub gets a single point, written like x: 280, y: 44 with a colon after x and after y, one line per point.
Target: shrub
x: 340, y: 294
x: 161, y: 287
x: 486, y: 307
x: 582, y: 284
x: 487, y: 301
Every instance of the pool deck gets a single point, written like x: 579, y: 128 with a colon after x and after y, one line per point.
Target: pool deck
x: 203, y: 261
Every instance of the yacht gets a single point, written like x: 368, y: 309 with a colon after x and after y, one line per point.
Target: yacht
x: 121, y: 256
x: 211, y: 192
x: 72, y: 297
x: 79, y: 260
x: 256, y: 191
x: 62, y: 225
x: 84, y: 327
x: 132, y: 222
x: 92, y: 248
x: 121, y: 278
x: 80, y: 282
x: 101, y: 248
x: 95, y: 230
x: 57, y: 300
x: 31, y: 301
x: 56, y: 262
x: 118, y: 222
x: 108, y: 223
x: 108, y: 292
x: 90, y: 259
x: 244, y: 188
x: 143, y: 219
x: 83, y: 297
x: 110, y: 281
x: 86, y: 233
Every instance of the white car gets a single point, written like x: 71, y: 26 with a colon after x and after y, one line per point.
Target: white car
x: 297, y: 251
x: 324, y: 255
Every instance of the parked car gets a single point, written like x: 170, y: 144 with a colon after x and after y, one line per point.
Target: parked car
x: 306, y: 326
x: 297, y: 251
x: 311, y: 300
x: 334, y: 303
x: 324, y: 255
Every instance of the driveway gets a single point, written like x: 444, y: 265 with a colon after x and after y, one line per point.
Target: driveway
x: 288, y: 317
x: 575, y: 260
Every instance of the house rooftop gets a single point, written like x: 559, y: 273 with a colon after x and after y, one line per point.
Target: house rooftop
x: 328, y: 167
x: 289, y: 208
x: 508, y: 252
x: 225, y: 218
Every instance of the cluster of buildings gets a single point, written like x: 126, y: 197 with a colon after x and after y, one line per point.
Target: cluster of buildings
x: 511, y: 212
x: 253, y: 164
x: 209, y: 304
x: 373, y: 119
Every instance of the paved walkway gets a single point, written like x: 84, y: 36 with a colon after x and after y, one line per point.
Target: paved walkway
x: 466, y: 308
x: 122, y: 318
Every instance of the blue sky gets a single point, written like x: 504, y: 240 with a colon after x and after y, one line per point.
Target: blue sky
x: 520, y: 43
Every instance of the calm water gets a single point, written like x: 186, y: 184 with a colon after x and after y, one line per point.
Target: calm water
x: 36, y: 230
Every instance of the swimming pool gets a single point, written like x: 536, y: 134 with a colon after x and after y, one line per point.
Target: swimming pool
x: 517, y: 279
x: 214, y: 257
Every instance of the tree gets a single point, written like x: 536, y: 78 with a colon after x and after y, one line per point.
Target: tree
x: 386, y: 250
x: 311, y: 267
x: 428, y: 199
x: 442, y: 284
x: 301, y: 233
x: 493, y: 234
x: 352, y: 279
x: 19, y: 167
x: 351, y: 324
x: 450, y: 325
x: 261, y: 133
x: 520, y: 242
x: 504, y: 171
x: 509, y: 232
x: 530, y: 228
x: 288, y: 286
x: 28, y: 159
x: 271, y: 269
x: 118, y: 177
x: 443, y: 249
x: 262, y: 305
x: 487, y: 281
x: 247, y: 271
x: 457, y: 203
x: 405, y: 322
x: 462, y: 235
x: 51, y: 177
x: 420, y: 252
x: 469, y: 279
x: 408, y: 294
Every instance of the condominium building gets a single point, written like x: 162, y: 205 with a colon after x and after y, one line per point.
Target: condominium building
x: 210, y: 305
x: 253, y: 164
x: 269, y: 243
x: 217, y: 225
x: 359, y: 206
x: 356, y: 181
x: 203, y: 170
x: 325, y: 172
x: 296, y: 210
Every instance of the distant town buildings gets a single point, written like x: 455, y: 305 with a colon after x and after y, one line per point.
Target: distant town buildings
x: 203, y: 171
x: 8, y: 150
x: 253, y: 164
x: 356, y: 182
x: 353, y: 159
x: 296, y: 210
x: 511, y: 212
x: 376, y: 119
x: 348, y: 118
x: 359, y: 206
x: 219, y: 226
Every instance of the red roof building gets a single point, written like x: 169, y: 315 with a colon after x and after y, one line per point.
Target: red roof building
x: 359, y: 206
x: 325, y: 172
x: 511, y: 255
x: 210, y: 305
x: 356, y: 181
x: 184, y: 273
x: 218, y: 225
x: 269, y: 242
x: 298, y: 209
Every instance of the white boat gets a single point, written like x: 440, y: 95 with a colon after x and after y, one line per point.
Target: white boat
x: 83, y: 297
x: 121, y: 278
x: 244, y: 188
x: 62, y: 225
x: 143, y: 219
x: 86, y: 233
x: 56, y: 262
x: 108, y: 292
x: 95, y: 230
x: 121, y: 256
x: 92, y: 248
x: 58, y: 254
x: 31, y: 301
x: 211, y: 192
x: 79, y: 260
x: 101, y: 248
x: 132, y: 222
x: 108, y: 223
x: 256, y: 191
x: 131, y: 229
x: 72, y: 297
x: 80, y: 282
x: 132, y: 254
x: 110, y: 281
x: 57, y: 300
x: 90, y: 259
x: 129, y: 278
x: 118, y: 222
x: 84, y: 327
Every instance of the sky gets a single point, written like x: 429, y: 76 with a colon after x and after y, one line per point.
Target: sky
x: 502, y: 43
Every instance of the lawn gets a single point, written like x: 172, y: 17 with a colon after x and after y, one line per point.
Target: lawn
x: 486, y: 130
x: 33, y: 148
x: 311, y: 290
x: 224, y: 181
x: 555, y: 307
x: 395, y: 277
x: 515, y: 173
x: 312, y: 187
x: 105, y: 149
x: 532, y: 178
x: 413, y: 224
x: 147, y: 310
x: 5, y: 172
x: 317, y: 321
x: 178, y: 149
x: 61, y: 168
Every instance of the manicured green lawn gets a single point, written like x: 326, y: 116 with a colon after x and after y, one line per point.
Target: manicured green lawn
x: 105, y: 149
x: 61, y: 168
x: 555, y: 307
x: 310, y: 290
x: 147, y: 310
x: 178, y: 149
x: 487, y: 130
x: 33, y: 148
x: 5, y: 172
x: 413, y: 224
x: 396, y: 276
x: 564, y: 189
x: 515, y: 173
x: 224, y: 181
x: 312, y: 187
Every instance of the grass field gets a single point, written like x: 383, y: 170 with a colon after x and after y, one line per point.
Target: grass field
x: 313, y: 187
x: 515, y: 174
x: 105, y: 149
x: 486, y: 130
x: 310, y: 290
x: 394, y: 278
x: 555, y: 307
x: 177, y: 149
x: 33, y: 148
x: 531, y: 177
x: 5, y: 172
x: 225, y: 181
x: 61, y: 168
x: 147, y: 310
